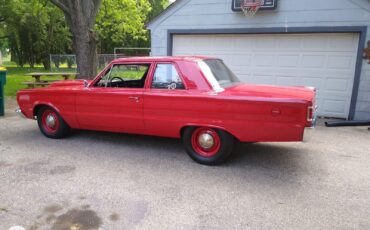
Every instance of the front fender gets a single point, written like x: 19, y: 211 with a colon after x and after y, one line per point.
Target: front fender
x: 39, y: 104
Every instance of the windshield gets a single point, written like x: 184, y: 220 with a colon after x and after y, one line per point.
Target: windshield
x: 218, y: 74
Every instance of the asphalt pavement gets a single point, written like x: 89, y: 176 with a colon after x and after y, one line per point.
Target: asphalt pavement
x: 97, y: 180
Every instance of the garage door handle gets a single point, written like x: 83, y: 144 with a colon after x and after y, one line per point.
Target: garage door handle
x: 135, y: 99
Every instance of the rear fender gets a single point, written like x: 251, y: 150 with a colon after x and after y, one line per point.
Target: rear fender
x: 210, y: 126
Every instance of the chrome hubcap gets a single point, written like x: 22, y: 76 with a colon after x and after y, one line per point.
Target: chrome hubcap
x: 50, y: 121
x: 206, y: 141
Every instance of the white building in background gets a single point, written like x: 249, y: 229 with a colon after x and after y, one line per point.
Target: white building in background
x: 291, y: 42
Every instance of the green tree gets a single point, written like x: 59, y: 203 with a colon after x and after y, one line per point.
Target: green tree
x: 121, y: 23
x: 157, y: 7
x: 35, y: 29
x: 5, y: 6
x: 4, y: 15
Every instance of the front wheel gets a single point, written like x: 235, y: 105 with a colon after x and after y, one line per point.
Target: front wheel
x: 51, y: 124
x: 207, y: 146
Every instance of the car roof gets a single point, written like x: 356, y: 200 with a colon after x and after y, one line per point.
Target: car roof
x: 162, y: 58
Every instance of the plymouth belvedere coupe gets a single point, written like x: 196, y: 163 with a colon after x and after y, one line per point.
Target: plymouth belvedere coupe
x: 197, y: 99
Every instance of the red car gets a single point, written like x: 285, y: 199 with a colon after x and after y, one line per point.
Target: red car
x: 197, y: 99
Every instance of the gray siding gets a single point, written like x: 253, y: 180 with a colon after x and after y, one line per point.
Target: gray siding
x: 217, y: 14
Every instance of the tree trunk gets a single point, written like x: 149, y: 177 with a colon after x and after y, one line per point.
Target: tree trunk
x: 86, y: 55
x: 46, y: 63
x: 80, y: 16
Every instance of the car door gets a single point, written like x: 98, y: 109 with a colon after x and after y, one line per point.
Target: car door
x: 115, y: 101
x: 164, y: 102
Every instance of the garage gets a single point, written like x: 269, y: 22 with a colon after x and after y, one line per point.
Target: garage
x: 326, y: 61
x: 290, y: 43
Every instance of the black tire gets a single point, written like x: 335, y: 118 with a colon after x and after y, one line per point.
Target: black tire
x: 218, y: 156
x: 60, y: 130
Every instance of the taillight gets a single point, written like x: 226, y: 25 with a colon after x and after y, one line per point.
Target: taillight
x: 310, y: 111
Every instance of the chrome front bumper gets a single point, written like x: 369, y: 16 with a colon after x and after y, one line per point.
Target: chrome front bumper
x: 20, y: 113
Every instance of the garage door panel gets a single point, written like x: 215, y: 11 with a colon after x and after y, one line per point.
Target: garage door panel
x: 325, y: 61
x: 289, y: 43
x: 241, y: 60
x: 337, y: 84
x: 220, y: 45
x: 242, y: 44
x: 262, y: 79
x: 288, y: 81
x: 314, y: 43
x: 313, y: 61
x: 331, y: 94
x: 340, y: 61
x: 263, y: 60
x: 265, y: 43
x: 312, y: 81
x: 344, y: 42
x: 290, y: 61
x: 334, y: 106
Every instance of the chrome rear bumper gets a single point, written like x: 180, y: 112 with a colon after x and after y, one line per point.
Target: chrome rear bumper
x: 20, y: 113
x: 314, y: 117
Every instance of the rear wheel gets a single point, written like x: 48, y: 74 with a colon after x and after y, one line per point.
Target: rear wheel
x: 207, y: 146
x: 51, y: 124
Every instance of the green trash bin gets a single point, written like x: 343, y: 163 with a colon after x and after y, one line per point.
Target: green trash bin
x: 2, y: 83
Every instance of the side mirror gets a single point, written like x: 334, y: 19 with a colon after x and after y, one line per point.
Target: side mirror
x: 86, y: 84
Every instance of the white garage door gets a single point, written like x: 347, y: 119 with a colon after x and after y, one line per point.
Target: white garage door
x: 325, y: 61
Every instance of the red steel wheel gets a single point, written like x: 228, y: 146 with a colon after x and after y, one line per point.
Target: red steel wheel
x: 50, y: 121
x: 51, y: 124
x: 205, y: 141
x: 207, y: 145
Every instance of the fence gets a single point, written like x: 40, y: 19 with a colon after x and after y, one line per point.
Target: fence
x: 68, y: 61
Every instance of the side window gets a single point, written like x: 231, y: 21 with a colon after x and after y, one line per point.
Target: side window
x: 166, y: 77
x: 125, y: 76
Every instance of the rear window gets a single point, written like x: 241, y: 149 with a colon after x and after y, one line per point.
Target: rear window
x: 216, y: 70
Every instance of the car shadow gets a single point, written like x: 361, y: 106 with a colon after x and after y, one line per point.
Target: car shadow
x: 272, y: 155
x: 265, y: 164
x: 264, y: 156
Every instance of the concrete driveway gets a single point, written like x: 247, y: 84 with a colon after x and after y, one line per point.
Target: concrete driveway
x: 95, y: 180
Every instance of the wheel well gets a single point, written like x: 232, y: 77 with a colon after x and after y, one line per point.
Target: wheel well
x: 182, y: 130
x: 37, y: 108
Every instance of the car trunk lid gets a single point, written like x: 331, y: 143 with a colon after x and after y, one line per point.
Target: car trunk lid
x: 270, y: 91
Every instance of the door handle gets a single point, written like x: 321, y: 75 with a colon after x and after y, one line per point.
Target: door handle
x: 135, y: 99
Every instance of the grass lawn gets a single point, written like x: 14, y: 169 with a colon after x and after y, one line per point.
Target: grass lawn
x: 15, y: 76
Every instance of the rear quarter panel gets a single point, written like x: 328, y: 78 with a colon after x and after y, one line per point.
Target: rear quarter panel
x: 249, y: 120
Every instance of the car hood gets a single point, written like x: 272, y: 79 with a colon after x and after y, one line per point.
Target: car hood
x: 270, y: 91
